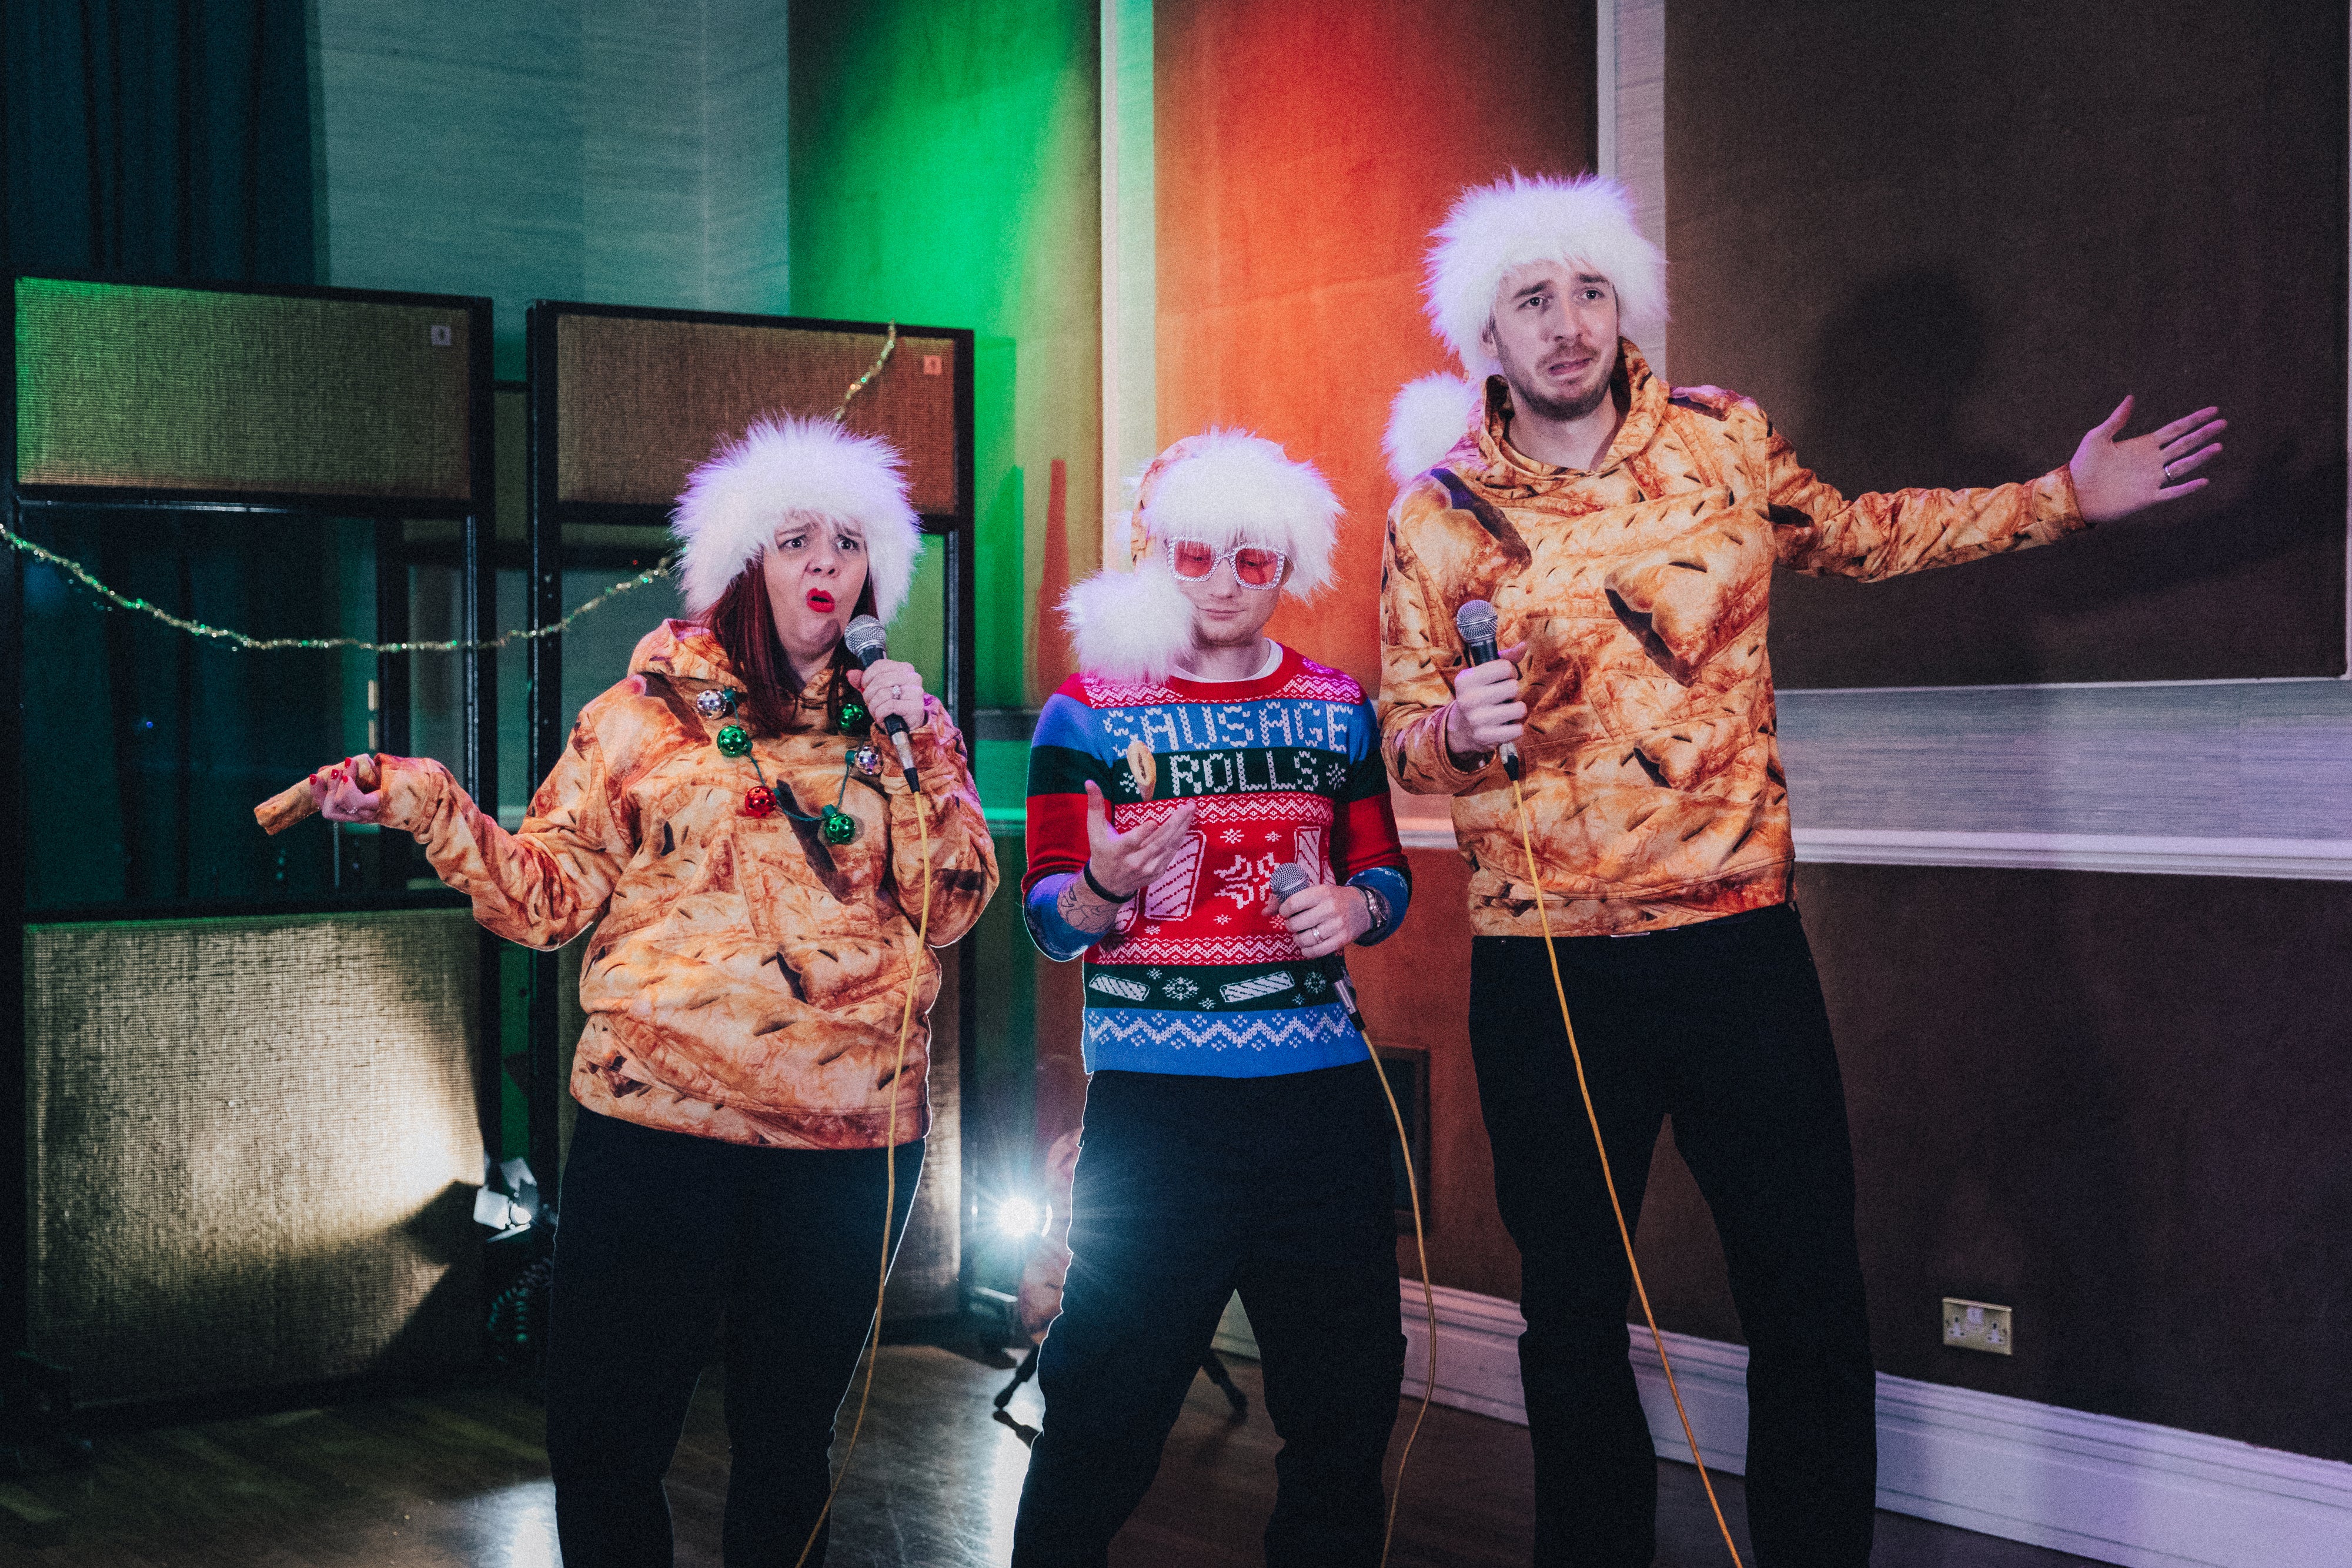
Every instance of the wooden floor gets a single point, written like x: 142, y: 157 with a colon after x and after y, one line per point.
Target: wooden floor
x: 459, y: 1479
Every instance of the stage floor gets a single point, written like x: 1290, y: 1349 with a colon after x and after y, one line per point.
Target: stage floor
x: 457, y: 1481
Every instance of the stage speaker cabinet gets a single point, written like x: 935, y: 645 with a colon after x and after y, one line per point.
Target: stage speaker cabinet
x: 618, y: 446
x: 155, y: 389
x: 238, y: 1186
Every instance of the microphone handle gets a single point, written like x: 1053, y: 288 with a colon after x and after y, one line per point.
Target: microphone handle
x: 1483, y: 651
x: 904, y: 745
x: 1332, y: 968
x: 895, y: 727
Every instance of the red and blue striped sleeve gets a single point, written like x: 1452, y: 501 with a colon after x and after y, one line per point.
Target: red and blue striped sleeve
x: 1365, y: 851
x: 1065, y: 753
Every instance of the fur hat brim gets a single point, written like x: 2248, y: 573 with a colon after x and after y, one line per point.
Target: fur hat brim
x: 733, y: 504
x: 1224, y: 487
x: 1587, y: 221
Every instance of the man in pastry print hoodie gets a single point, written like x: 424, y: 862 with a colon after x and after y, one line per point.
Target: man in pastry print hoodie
x: 1626, y: 536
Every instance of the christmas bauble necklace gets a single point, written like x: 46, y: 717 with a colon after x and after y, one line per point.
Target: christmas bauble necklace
x: 835, y: 825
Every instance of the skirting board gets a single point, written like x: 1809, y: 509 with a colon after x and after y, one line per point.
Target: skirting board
x: 2110, y: 1489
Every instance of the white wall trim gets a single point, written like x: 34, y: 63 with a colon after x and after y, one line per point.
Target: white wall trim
x: 1129, y: 261
x: 2114, y: 1491
x: 2293, y: 859
x: 2302, y: 860
x: 1630, y: 77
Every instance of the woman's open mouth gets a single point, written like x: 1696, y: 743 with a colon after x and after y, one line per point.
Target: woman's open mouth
x: 820, y: 600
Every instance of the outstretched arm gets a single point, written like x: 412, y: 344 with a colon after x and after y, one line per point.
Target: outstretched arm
x: 541, y: 885
x: 1815, y: 529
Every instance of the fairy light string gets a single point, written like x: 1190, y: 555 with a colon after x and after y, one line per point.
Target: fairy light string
x: 239, y: 641
x: 244, y: 642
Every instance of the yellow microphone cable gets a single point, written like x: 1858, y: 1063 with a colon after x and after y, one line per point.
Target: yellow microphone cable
x: 890, y: 1186
x: 1535, y: 879
x: 1289, y: 879
x: 1428, y: 1301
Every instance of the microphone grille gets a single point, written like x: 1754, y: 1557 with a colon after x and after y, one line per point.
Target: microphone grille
x: 865, y: 638
x: 1476, y: 621
x: 1290, y: 877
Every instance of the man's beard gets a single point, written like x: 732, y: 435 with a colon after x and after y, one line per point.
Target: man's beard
x: 1562, y: 409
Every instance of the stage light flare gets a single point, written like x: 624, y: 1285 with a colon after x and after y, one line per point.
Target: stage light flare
x: 1021, y: 1217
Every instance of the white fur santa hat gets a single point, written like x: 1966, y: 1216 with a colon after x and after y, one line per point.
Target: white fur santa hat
x: 733, y: 504
x: 1226, y: 487
x: 1584, y: 221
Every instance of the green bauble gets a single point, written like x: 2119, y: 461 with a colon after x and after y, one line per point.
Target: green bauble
x: 733, y: 742
x: 853, y: 714
x: 837, y: 826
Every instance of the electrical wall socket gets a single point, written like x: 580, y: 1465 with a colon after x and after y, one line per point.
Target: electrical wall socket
x: 1978, y: 1325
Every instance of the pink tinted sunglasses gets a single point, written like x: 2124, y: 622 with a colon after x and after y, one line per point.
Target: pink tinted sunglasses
x: 1254, y: 566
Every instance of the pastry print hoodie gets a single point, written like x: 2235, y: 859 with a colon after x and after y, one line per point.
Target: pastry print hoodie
x: 1643, y: 589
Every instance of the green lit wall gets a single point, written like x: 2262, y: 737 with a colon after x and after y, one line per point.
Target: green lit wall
x: 944, y: 170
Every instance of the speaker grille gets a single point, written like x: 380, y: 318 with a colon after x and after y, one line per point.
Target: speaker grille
x: 253, y: 1143
x: 640, y: 401
x: 190, y: 389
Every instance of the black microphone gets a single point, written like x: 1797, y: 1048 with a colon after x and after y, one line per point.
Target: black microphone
x: 1292, y: 878
x: 866, y: 642
x: 1476, y: 621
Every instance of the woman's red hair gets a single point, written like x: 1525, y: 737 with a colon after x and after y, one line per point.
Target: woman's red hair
x: 745, y: 624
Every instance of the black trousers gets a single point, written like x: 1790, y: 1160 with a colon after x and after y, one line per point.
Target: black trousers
x: 1719, y: 1025
x: 1187, y: 1188
x: 660, y: 1230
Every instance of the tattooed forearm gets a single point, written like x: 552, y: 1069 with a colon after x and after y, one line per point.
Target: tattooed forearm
x: 1078, y: 905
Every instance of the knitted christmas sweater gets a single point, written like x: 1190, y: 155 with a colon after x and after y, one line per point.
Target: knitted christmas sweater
x: 1195, y: 977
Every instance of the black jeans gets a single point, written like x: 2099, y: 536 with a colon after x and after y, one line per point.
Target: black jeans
x: 1187, y: 1188
x: 1721, y: 1026
x: 659, y: 1232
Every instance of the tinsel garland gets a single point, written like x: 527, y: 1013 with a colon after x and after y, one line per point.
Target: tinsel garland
x: 241, y: 643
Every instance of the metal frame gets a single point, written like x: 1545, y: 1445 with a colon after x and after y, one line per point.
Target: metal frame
x: 479, y: 763
x: 548, y: 558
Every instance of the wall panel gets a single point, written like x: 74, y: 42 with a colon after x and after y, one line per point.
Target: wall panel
x: 1937, y: 244
x: 2112, y: 1102
x: 1303, y: 154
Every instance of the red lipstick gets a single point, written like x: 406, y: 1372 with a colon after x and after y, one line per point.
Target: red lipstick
x: 820, y: 600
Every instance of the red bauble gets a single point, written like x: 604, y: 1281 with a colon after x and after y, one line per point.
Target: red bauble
x: 759, y: 800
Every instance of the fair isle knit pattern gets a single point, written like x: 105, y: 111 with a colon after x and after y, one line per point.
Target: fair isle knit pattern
x: 1195, y: 977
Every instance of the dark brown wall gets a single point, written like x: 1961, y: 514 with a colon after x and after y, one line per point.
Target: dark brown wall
x: 1415, y: 989
x: 1937, y: 244
x: 2116, y: 1102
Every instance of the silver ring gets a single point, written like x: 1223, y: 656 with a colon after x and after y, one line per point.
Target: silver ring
x: 2168, y: 475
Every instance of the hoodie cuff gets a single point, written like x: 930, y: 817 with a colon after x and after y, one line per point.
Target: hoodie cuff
x: 415, y: 789
x: 1430, y: 770
x: 2056, y: 508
